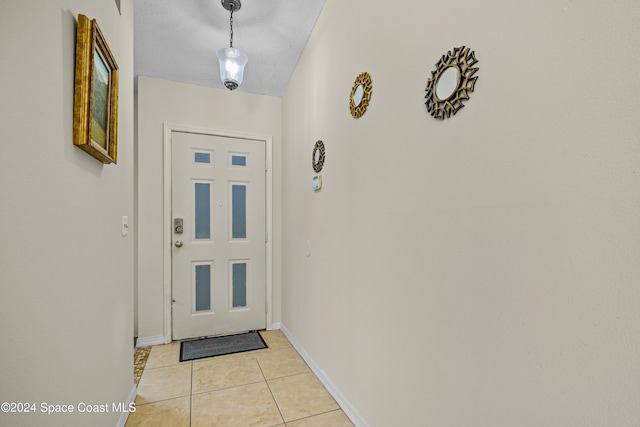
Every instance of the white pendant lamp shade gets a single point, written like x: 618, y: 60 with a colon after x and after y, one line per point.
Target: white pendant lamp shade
x: 232, y: 62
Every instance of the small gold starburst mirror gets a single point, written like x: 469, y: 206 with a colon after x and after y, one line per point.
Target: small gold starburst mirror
x: 451, y: 82
x: 360, y: 95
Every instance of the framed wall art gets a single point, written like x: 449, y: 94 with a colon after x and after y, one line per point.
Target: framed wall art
x: 95, y: 101
x: 451, y: 82
x: 360, y: 95
x: 317, y: 156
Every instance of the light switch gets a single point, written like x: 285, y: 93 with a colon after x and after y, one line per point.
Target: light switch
x: 125, y: 226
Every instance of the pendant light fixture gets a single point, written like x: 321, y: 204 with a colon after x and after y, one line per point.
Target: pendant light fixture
x: 232, y: 60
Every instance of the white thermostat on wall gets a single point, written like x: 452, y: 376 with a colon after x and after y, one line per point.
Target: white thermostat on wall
x: 316, y: 182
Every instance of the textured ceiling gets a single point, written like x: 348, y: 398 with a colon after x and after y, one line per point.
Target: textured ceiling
x: 177, y: 40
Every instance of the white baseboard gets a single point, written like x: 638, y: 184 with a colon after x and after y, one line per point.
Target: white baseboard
x: 349, y: 410
x: 275, y: 326
x: 124, y: 415
x: 149, y: 341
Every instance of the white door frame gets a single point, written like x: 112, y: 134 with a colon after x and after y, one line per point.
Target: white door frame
x: 168, y: 128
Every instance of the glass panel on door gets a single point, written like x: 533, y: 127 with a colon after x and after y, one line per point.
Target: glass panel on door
x: 239, y: 284
x: 239, y: 211
x: 202, y: 157
x: 237, y: 160
x: 203, y: 287
x: 203, y: 210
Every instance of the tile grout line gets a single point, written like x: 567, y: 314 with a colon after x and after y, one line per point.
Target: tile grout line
x: 271, y: 392
x: 226, y: 388
x: 191, y: 398
x: 291, y: 375
x: 318, y: 414
x: 161, y: 400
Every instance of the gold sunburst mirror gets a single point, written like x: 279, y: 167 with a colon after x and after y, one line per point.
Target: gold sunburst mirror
x: 451, y: 82
x: 360, y: 95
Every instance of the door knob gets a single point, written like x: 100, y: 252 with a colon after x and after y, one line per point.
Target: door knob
x: 179, y: 243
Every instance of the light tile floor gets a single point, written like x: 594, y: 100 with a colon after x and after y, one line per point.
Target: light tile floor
x: 273, y: 387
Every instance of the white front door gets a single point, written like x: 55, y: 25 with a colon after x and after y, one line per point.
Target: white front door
x: 218, y: 204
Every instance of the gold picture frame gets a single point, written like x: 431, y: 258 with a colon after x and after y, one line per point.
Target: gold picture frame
x: 95, y: 100
x: 360, y: 95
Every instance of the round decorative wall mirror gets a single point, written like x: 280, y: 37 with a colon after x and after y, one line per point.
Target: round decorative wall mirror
x: 360, y: 95
x: 451, y: 82
x: 317, y: 157
x: 357, y: 96
x: 447, y: 82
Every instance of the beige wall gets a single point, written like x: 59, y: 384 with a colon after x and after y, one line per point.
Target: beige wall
x: 161, y: 101
x: 66, y: 273
x: 481, y: 271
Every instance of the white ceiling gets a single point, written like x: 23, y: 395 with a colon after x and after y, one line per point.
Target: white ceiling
x: 177, y: 40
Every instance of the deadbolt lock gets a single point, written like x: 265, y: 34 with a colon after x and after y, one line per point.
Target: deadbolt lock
x: 177, y: 225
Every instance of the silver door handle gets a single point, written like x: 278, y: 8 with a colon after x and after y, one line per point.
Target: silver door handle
x: 179, y: 243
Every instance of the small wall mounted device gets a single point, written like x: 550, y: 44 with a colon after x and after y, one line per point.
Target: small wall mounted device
x: 316, y: 182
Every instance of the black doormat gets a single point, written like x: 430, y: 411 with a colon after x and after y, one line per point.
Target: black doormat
x: 218, y: 346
